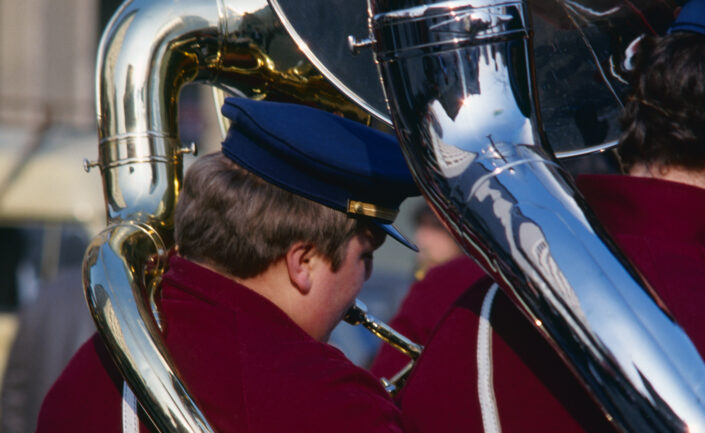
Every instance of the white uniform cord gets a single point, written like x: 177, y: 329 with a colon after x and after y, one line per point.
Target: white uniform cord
x: 130, y: 423
x: 485, y: 388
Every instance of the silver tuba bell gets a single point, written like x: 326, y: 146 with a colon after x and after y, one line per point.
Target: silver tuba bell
x: 460, y: 78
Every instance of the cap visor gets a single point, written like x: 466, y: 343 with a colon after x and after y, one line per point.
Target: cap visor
x: 396, y: 234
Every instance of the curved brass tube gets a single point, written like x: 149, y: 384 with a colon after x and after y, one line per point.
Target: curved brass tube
x: 125, y: 324
x: 140, y: 160
x: 358, y: 315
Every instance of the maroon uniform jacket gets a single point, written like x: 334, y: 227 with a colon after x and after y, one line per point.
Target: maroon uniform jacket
x: 248, y: 365
x: 423, y: 307
x: 660, y: 225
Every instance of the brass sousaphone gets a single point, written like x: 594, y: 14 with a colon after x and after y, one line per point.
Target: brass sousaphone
x: 489, y: 173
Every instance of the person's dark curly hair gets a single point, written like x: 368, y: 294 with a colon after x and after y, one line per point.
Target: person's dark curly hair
x: 664, y: 118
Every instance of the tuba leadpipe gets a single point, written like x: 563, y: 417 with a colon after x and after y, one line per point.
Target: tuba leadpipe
x: 149, y: 51
x: 459, y: 76
x: 358, y: 315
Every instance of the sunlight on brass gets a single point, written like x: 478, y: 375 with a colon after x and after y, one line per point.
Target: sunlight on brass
x: 358, y: 315
x: 371, y: 210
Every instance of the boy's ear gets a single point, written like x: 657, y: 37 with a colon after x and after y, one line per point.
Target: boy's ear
x: 298, y: 263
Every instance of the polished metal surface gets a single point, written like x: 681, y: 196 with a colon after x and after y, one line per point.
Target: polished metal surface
x: 462, y: 91
x: 125, y: 324
x: 149, y: 51
x: 326, y: 26
x: 579, y: 48
x: 395, y: 383
x: 358, y: 315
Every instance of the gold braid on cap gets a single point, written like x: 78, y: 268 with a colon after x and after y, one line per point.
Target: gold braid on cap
x: 371, y: 210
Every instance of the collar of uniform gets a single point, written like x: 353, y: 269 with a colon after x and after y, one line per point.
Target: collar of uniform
x: 646, y: 206
x: 214, y: 288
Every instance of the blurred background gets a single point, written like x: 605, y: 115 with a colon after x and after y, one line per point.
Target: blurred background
x: 50, y: 207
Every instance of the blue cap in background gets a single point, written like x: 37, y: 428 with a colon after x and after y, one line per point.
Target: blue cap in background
x: 334, y: 161
x: 690, y: 19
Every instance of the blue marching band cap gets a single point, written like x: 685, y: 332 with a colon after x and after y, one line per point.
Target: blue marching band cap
x: 691, y: 18
x: 334, y: 161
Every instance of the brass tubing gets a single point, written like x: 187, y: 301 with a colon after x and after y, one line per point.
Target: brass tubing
x: 358, y: 315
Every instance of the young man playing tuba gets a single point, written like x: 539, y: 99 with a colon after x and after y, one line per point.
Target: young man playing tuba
x: 275, y: 237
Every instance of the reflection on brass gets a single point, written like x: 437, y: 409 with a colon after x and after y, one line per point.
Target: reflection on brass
x: 461, y: 79
x: 358, y: 315
x: 371, y: 210
x: 257, y: 77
